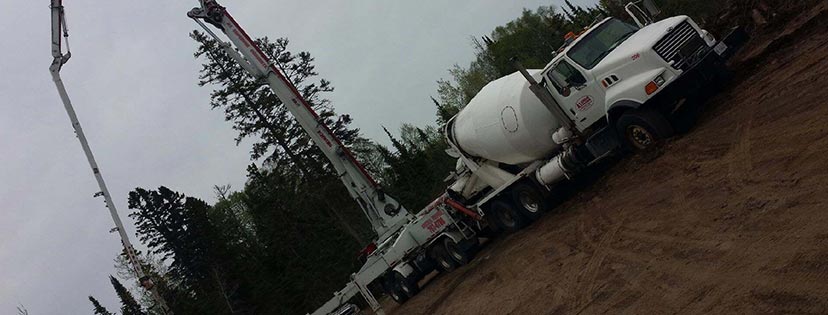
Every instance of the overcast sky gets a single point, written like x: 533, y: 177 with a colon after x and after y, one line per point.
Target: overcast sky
x: 132, y: 79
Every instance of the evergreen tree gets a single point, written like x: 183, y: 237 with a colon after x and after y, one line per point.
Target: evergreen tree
x: 417, y: 166
x: 533, y: 38
x: 98, y: 308
x: 175, y: 227
x: 256, y: 112
x: 129, y: 306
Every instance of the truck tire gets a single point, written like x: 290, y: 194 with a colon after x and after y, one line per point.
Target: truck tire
x: 393, y: 289
x: 642, y: 130
x: 529, y: 199
x: 493, y: 227
x: 444, y: 262
x: 408, y: 285
x: 508, y: 216
x: 462, y: 255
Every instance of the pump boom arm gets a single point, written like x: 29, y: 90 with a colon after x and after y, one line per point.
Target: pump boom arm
x: 59, y: 36
x: 385, y: 214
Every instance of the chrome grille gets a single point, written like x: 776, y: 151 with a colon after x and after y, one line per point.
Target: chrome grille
x: 682, y: 45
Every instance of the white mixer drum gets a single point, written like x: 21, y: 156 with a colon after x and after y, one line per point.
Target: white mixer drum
x: 506, y: 122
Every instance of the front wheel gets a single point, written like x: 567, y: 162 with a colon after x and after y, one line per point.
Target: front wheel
x: 643, y: 130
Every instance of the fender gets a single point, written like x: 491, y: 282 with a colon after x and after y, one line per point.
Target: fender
x: 405, y: 269
x: 455, y: 236
x: 619, y: 107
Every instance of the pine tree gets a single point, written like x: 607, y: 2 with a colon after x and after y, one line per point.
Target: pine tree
x: 98, y: 308
x: 175, y: 227
x: 129, y: 306
x: 257, y: 113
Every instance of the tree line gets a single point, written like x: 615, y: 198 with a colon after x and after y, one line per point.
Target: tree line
x: 288, y: 239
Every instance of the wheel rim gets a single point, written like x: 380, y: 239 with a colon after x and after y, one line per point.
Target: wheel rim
x: 640, y: 137
x: 406, y: 289
x: 445, y: 263
x: 456, y: 255
x: 528, y: 201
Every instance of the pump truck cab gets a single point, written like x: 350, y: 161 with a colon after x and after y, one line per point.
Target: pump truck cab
x: 616, y: 86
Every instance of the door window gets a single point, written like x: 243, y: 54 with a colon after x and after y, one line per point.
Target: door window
x: 564, y: 77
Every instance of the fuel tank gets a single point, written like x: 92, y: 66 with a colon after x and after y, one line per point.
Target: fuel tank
x: 505, y: 122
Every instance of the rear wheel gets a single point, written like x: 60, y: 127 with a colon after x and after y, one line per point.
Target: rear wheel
x: 642, y: 130
x: 407, y: 285
x: 459, y: 254
x: 393, y: 289
x: 441, y: 256
x: 508, y: 216
x: 529, y: 199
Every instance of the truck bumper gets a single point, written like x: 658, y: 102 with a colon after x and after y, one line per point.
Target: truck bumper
x: 703, y: 79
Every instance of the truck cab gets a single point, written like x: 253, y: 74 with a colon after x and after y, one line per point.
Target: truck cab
x: 614, y: 67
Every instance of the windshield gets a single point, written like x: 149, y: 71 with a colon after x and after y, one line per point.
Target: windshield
x: 599, y: 43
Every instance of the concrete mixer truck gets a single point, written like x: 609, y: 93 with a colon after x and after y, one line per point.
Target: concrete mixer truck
x: 616, y: 86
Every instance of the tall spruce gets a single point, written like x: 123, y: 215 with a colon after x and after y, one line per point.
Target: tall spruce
x: 257, y: 113
x: 175, y: 227
x: 129, y: 306
x: 98, y: 308
x: 286, y: 150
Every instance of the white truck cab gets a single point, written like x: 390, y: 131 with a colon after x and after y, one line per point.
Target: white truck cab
x: 615, y: 66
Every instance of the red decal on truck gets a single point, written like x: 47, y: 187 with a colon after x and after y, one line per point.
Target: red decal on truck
x: 636, y: 56
x: 584, y: 103
x: 435, y: 222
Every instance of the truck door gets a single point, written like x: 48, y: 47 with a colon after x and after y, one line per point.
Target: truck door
x: 577, y: 93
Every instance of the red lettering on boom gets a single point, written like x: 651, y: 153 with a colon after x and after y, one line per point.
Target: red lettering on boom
x: 321, y: 135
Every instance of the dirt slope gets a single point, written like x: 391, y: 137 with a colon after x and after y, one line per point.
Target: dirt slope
x: 731, y: 218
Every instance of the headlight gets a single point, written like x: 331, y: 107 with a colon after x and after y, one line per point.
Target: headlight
x: 709, y: 38
x: 659, y: 80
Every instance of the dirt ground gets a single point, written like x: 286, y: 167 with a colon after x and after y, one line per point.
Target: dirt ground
x: 730, y: 218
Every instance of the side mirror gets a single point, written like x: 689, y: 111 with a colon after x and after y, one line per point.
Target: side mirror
x: 643, y: 16
x: 566, y: 91
x: 651, y: 8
